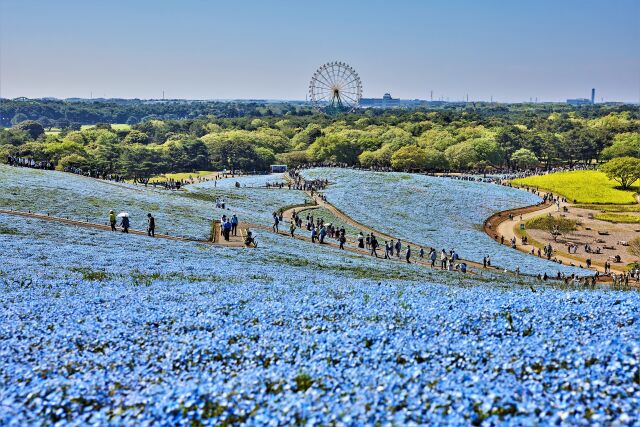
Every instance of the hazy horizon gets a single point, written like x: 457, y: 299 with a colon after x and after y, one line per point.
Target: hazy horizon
x: 262, y: 50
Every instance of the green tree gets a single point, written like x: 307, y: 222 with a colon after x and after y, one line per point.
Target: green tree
x: 409, y: 157
x: 461, y: 156
x: 73, y: 160
x: 554, y: 225
x: 232, y: 154
x: 19, y: 117
x: 334, y: 148
x: 141, y: 162
x: 13, y: 137
x: 624, y: 145
x: 136, y: 137
x: 33, y: 128
x: 624, y: 170
x: 293, y: 159
x: 524, y: 158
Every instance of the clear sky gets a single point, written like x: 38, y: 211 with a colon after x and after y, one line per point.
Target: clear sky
x: 511, y: 49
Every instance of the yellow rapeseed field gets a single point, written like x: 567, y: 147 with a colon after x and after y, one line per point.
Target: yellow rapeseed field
x: 180, y: 176
x: 581, y: 186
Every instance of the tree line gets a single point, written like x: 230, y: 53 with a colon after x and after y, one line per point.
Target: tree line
x: 479, y: 138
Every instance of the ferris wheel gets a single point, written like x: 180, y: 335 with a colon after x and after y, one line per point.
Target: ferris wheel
x: 335, y: 87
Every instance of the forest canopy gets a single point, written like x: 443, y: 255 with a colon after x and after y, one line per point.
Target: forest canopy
x: 139, y: 139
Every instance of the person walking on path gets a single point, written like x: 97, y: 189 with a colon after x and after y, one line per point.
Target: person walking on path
x: 386, y: 250
x: 112, y: 220
x: 443, y: 259
x: 421, y: 252
x: 276, y: 221
x: 432, y: 257
x: 323, y: 233
x: 226, y: 230
x: 374, y: 245
x: 360, y: 240
x: 314, y: 234
x: 151, y: 225
x: 398, y: 248
x: 234, y: 225
x: 292, y: 228
x: 408, y: 255
x: 124, y: 223
x: 342, y: 239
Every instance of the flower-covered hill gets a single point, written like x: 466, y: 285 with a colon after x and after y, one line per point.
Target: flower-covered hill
x: 99, y: 327
x: 440, y: 212
x: 182, y: 213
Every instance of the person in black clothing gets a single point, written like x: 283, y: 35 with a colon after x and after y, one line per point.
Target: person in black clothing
x: 124, y: 223
x: 373, y: 242
x: 342, y: 239
x: 151, y: 225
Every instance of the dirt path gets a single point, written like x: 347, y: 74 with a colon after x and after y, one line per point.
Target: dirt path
x: 499, y: 225
x: 350, y: 246
x: 233, y: 242
x: 320, y: 203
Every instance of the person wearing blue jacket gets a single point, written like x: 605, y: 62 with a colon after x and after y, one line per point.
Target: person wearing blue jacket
x: 234, y: 225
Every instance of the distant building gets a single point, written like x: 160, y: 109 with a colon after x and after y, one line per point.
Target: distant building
x: 579, y: 101
x: 385, y: 102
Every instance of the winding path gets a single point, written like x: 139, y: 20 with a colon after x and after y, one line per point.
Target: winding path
x: 499, y: 225
x: 318, y: 202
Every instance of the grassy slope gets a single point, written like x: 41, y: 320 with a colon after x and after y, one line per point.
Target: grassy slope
x: 581, y: 186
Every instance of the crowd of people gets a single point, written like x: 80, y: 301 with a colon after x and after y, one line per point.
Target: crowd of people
x: 26, y: 162
x: 298, y: 182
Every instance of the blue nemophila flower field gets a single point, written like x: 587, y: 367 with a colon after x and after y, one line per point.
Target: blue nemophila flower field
x: 442, y: 212
x: 182, y: 213
x: 100, y: 327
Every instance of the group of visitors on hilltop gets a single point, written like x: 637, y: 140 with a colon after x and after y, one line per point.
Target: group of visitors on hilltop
x: 26, y: 162
x: 298, y: 182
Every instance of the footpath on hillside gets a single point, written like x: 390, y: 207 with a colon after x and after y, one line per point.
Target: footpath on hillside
x: 505, y: 224
x: 238, y: 241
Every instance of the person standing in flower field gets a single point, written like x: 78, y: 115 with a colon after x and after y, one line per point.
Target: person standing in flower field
x: 151, y: 225
x: 234, y: 225
x: 408, y: 256
x: 112, y: 220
